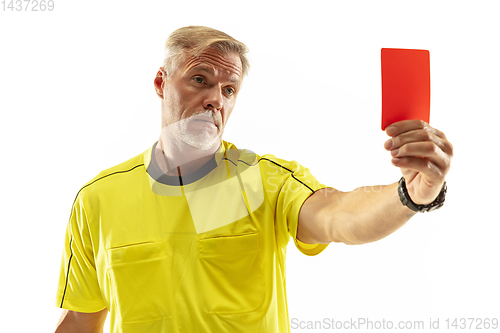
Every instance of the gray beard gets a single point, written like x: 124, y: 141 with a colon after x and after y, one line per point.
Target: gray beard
x: 204, y: 140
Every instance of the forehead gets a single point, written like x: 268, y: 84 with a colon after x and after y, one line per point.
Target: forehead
x: 217, y: 62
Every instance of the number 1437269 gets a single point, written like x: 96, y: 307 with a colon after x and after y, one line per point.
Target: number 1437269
x: 28, y: 5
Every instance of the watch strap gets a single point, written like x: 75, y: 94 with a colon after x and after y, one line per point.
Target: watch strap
x: 406, y: 200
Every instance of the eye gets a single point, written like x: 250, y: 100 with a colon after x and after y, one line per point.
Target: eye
x: 229, y: 91
x: 198, y: 79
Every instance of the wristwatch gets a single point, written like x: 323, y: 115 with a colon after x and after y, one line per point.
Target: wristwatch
x: 406, y: 201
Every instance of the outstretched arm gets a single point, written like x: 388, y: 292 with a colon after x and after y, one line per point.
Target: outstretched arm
x: 370, y: 213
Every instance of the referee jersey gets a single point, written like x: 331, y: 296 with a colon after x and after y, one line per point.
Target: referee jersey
x: 201, y: 253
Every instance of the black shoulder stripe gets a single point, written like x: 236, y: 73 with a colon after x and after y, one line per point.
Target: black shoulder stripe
x: 71, y: 240
x: 239, y: 161
x: 113, y: 173
x: 263, y: 158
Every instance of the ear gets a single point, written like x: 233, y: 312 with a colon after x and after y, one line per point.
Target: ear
x: 160, y: 78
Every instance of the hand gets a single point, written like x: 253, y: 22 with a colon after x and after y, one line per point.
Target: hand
x: 423, y: 154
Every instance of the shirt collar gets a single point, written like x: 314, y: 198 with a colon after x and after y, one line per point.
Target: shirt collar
x: 157, y: 175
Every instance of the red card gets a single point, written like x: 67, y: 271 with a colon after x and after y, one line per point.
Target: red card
x: 406, y: 85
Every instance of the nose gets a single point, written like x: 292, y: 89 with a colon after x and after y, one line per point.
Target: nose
x: 213, y: 99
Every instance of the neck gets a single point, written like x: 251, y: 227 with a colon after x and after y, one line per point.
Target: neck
x: 182, y: 159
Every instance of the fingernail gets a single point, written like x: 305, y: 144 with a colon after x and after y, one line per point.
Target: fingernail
x: 395, y: 152
x: 388, y: 144
x: 395, y: 161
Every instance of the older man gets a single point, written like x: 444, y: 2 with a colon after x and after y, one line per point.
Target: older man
x: 191, y: 235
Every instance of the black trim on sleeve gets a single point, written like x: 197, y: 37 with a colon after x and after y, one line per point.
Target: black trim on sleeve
x: 67, y: 273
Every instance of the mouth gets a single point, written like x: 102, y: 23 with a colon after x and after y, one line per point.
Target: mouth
x: 208, y: 121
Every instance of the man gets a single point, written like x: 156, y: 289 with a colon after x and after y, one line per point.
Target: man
x: 191, y: 235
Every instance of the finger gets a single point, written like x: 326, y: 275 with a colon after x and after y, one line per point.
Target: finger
x: 419, y: 135
x: 426, y: 149
x: 405, y: 126
x: 435, y: 131
x: 428, y: 169
x: 410, y: 125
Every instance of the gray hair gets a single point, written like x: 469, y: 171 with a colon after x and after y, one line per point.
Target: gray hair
x: 194, y: 40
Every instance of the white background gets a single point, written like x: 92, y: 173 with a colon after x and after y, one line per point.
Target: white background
x: 76, y: 97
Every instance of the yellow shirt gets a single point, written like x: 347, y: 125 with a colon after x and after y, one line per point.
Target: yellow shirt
x: 202, y: 253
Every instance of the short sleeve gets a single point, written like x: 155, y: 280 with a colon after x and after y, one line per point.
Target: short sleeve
x: 294, y: 184
x: 78, y: 289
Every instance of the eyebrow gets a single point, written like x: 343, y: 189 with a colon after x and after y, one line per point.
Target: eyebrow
x: 211, y: 72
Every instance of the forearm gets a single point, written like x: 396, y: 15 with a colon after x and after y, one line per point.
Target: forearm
x: 367, y: 214
x: 79, y: 322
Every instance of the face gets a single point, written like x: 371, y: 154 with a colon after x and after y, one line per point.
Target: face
x: 199, y: 97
